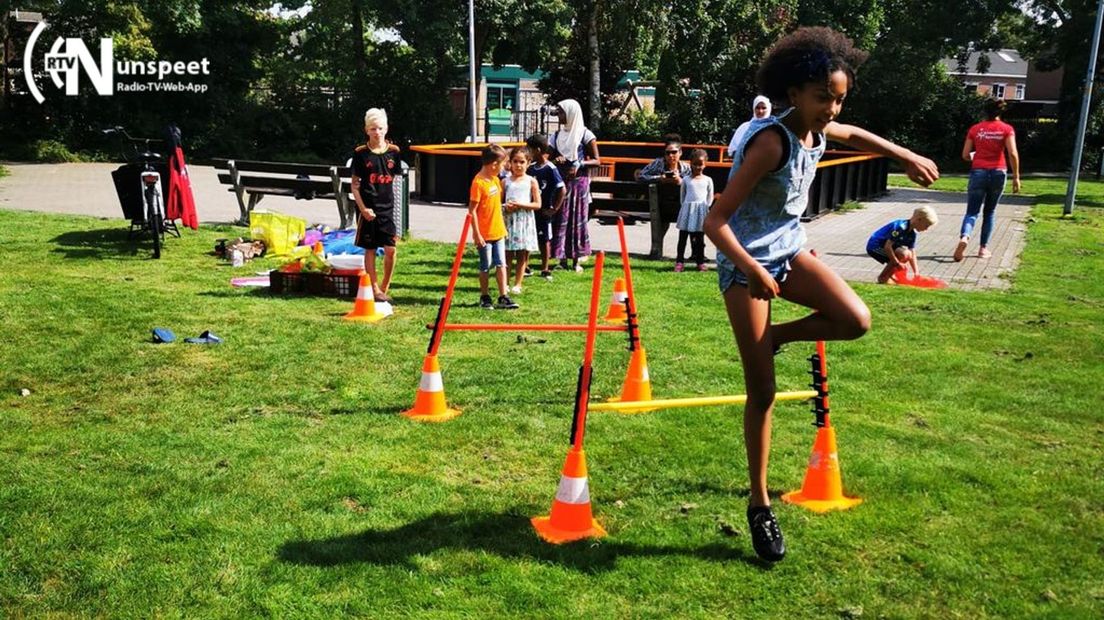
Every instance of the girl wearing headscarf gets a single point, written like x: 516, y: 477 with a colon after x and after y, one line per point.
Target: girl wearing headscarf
x: 574, y: 149
x: 760, y: 108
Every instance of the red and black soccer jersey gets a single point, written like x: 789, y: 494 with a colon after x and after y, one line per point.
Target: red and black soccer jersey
x: 377, y: 172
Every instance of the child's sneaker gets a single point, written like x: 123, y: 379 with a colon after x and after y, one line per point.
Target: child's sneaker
x: 505, y: 303
x: 485, y: 302
x: 547, y: 275
x: 679, y: 267
x: 516, y: 290
x: 702, y: 267
x: 766, y: 537
x: 984, y: 252
x: 528, y: 272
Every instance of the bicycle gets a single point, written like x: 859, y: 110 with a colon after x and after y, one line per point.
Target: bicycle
x: 151, y: 219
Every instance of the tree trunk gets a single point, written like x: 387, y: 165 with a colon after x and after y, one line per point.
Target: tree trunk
x: 5, y: 51
x: 360, y: 57
x: 595, y: 68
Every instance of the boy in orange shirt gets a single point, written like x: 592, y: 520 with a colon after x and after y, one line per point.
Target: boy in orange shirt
x: 488, y: 227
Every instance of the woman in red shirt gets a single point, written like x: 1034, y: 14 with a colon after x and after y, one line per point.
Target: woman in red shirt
x: 985, y: 146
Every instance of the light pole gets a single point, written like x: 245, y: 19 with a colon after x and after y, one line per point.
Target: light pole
x: 473, y: 86
x: 1086, y: 98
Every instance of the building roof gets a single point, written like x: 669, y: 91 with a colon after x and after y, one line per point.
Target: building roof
x: 508, y: 72
x: 1002, y: 63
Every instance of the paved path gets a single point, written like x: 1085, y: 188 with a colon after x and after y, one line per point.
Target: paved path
x: 840, y: 239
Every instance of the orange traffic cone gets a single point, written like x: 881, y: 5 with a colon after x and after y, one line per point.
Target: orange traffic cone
x: 571, y: 518
x: 638, y: 384
x: 364, y: 309
x: 429, y: 402
x: 823, y: 489
x: 616, y: 313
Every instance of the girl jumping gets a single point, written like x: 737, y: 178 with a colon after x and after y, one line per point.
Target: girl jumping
x: 756, y: 227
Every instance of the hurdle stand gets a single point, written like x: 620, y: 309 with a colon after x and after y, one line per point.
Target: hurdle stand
x: 637, y: 385
x: 822, y: 489
x: 429, y: 401
x: 571, y: 517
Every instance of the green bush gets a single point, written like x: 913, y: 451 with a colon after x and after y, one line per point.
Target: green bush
x: 643, y: 125
x: 3, y: 172
x: 51, y: 152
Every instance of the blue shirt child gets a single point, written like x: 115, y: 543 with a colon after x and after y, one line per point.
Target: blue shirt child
x: 897, y: 232
x: 549, y: 180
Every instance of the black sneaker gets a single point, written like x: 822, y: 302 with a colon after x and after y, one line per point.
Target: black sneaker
x: 528, y: 272
x: 547, y: 275
x: 766, y: 537
x: 485, y: 302
x: 504, y: 303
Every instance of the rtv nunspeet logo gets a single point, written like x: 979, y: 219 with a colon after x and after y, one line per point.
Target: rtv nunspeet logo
x: 67, y: 56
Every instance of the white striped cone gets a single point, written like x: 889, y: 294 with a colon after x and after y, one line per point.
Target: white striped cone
x: 364, y: 308
x: 616, y: 312
x: 571, y: 517
x: 429, y: 402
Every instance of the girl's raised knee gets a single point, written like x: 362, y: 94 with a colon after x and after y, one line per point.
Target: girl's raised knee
x: 859, y: 322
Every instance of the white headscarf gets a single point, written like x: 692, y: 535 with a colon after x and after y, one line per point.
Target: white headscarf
x: 755, y: 103
x: 570, y: 135
x: 742, y: 129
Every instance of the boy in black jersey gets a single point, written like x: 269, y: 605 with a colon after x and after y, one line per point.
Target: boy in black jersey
x: 375, y: 166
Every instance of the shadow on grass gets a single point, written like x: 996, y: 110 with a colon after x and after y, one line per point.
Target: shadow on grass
x: 1059, y: 199
x: 105, y: 243
x: 505, y: 535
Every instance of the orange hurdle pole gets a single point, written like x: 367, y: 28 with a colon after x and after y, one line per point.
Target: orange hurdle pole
x: 582, y: 395
x: 638, y: 383
x: 446, y: 302
x: 430, y: 404
x: 626, y: 267
x: 571, y: 517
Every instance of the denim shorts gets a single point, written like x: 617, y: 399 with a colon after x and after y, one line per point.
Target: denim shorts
x: 728, y: 274
x: 879, y: 256
x: 492, y: 254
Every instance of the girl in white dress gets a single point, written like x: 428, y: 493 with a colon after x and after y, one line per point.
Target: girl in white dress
x: 520, y: 207
x: 697, y: 197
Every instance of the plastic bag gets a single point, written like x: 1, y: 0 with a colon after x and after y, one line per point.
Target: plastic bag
x: 280, y: 233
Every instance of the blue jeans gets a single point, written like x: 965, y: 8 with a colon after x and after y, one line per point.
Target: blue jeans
x: 492, y: 254
x: 985, y: 188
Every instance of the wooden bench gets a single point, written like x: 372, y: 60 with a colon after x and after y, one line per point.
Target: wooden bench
x: 251, y: 181
x: 634, y: 200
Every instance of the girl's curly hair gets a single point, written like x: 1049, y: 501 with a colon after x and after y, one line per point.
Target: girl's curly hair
x: 806, y: 55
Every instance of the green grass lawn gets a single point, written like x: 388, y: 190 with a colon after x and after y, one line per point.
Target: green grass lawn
x: 271, y: 475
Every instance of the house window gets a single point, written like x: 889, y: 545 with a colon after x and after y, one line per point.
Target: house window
x: 501, y: 95
x: 998, y: 91
x: 971, y: 87
x: 1019, y: 91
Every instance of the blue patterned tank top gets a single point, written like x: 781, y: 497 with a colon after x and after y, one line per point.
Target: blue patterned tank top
x: 768, y: 223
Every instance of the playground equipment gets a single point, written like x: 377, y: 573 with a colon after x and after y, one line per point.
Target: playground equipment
x: 822, y: 489
x: 699, y: 401
x: 430, y: 404
x: 571, y: 517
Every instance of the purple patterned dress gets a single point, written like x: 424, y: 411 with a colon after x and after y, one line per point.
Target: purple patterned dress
x: 571, y: 237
